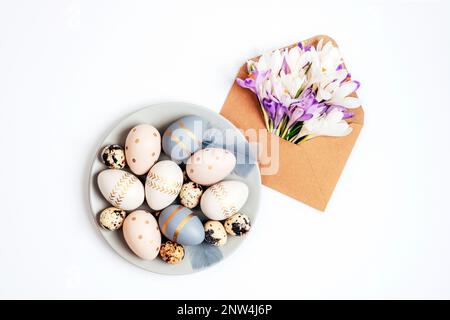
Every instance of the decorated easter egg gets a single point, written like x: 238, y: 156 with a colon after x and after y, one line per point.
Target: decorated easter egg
x: 113, y: 156
x: 141, y: 233
x: 121, y: 189
x: 142, y: 148
x: 171, y: 252
x: 238, y: 224
x: 164, y: 181
x: 183, y: 137
x: 215, y: 233
x: 180, y: 225
x: 210, y: 165
x: 112, y: 218
x: 224, y: 199
x: 190, y: 194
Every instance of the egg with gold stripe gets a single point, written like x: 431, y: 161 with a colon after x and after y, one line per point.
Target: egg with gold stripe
x: 121, y: 188
x: 142, y: 148
x: 224, y: 199
x: 163, y: 184
x: 181, y: 225
x: 183, y: 137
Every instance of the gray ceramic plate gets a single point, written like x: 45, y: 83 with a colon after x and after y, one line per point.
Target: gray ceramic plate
x: 197, y: 257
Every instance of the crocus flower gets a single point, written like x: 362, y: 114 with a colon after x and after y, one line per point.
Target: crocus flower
x: 254, y: 80
x: 270, y: 106
x: 329, y: 124
x: 303, y: 109
x: 279, y: 114
x: 347, y: 114
x: 303, y: 87
x: 341, y: 95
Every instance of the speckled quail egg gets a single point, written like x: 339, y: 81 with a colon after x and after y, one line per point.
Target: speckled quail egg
x: 215, y: 233
x: 190, y: 194
x: 113, y: 156
x: 171, y: 252
x: 112, y: 218
x: 238, y: 224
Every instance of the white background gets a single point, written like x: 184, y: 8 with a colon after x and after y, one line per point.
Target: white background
x: 69, y: 70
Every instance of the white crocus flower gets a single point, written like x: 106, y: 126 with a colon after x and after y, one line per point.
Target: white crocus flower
x: 340, y: 95
x: 329, y: 124
x: 328, y: 83
x: 270, y: 61
x: 280, y: 92
x: 325, y: 62
x: 292, y: 83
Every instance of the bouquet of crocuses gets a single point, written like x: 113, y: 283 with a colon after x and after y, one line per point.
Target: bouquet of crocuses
x: 304, y: 91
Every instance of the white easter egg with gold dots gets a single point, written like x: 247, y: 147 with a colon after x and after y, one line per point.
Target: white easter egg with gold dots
x: 210, y: 165
x: 142, y: 148
x: 142, y: 235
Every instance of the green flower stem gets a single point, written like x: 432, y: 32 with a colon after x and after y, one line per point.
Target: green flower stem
x: 266, y: 119
x: 301, y: 139
x: 286, y: 130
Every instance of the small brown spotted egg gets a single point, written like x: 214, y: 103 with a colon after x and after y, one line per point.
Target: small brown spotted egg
x: 215, y: 233
x: 238, y: 224
x: 112, y: 218
x: 190, y: 194
x: 113, y: 156
x: 171, y: 252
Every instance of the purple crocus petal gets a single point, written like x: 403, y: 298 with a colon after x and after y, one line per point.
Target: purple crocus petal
x: 348, y: 114
x: 322, y: 108
x: 300, y: 45
x: 340, y: 67
x: 279, y: 114
x: 247, y: 83
x: 305, y: 117
x: 285, y: 67
x: 270, y: 106
x: 254, y: 80
x: 308, y: 103
x: 358, y: 84
x: 308, y: 48
x: 348, y: 77
x: 294, y: 113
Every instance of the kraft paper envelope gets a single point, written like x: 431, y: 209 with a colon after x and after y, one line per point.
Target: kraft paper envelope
x: 307, y: 172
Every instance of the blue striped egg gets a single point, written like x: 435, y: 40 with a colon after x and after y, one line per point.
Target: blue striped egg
x: 180, y: 225
x: 184, y: 137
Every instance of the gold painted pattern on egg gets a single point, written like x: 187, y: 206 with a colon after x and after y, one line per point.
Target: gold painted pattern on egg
x: 221, y: 194
x: 178, y: 141
x: 169, y: 218
x: 162, y: 185
x: 120, y: 189
x: 189, y: 132
x: 181, y: 225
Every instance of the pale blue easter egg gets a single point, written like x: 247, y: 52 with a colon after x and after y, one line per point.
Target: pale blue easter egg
x: 184, y: 137
x: 181, y: 225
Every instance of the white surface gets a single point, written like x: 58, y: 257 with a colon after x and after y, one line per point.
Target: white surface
x: 69, y: 70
